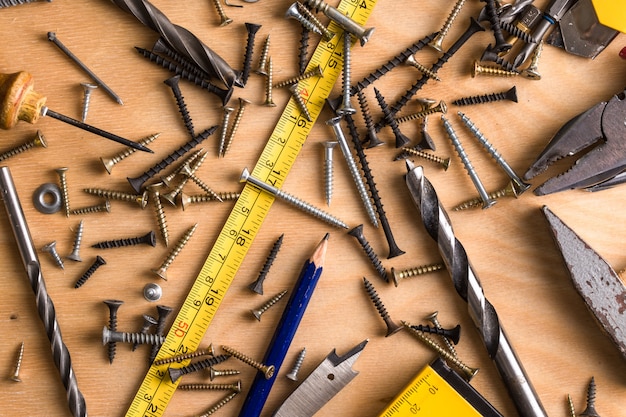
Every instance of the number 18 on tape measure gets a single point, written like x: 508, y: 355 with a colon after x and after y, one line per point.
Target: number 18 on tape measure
x: 438, y: 391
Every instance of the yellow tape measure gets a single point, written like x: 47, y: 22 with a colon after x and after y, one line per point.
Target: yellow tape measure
x: 245, y: 219
x: 438, y: 391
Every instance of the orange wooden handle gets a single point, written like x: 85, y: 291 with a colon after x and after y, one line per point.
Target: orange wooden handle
x: 18, y: 99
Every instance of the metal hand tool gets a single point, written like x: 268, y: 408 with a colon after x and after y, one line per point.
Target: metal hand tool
x: 603, y: 124
x: 597, y: 283
x: 334, y: 373
x: 45, y: 307
x: 468, y: 286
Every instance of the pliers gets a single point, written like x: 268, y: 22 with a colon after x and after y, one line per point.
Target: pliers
x: 602, y: 125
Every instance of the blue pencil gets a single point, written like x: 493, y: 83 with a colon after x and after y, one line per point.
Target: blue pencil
x: 286, y: 330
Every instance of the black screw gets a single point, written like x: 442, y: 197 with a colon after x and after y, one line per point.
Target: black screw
x: 180, y: 102
x: 161, y: 47
x: 176, y: 373
x: 148, y: 321
x: 510, y: 95
x: 252, y: 29
x: 401, y: 139
x: 492, y: 56
x: 303, y: 50
x: 96, y: 264
x: 257, y: 285
x: 392, y: 327
x: 372, y: 138
x: 147, y: 239
x: 452, y: 334
x: 357, y: 232
x: 113, y: 305
x: 501, y: 44
x: 9, y: 3
x: 590, y: 410
x: 163, y: 313
x: 137, y: 182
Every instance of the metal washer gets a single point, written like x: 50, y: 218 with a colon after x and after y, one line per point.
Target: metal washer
x: 41, y: 201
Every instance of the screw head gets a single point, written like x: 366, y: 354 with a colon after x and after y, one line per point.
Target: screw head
x: 152, y: 292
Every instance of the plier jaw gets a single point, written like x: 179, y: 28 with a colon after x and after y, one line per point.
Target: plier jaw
x: 603, y: 126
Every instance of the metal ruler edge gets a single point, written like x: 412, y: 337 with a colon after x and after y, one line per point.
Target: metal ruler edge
x: 245, y: 219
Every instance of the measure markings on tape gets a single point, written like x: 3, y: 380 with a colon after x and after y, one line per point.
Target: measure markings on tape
x: 245, y: 219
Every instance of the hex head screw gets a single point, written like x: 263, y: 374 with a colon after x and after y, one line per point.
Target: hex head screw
x: 52, y: 250
x: 113, y: 305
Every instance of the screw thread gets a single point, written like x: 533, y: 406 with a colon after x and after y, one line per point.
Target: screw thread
x: 75, y: 255
x: 176, y: 373
x: 222, y: 372
x: 224, y: 129
x: 308, y: 208
x: 38, y: 141
x: 267, y: 370
x: 9, y: 3
x: 369, y: 121
x: 415, y: 271
x: 236, y: 387
x: 106, y: 206
x: 303, y: 50
x: 204, y: 186
x: 188, y: 161
x: 87, y: 99
x: 326, y: 34
x: 220, y: 404
x: 494, y: 21
x: 296, y: 13
x: 64, y: 192
x: 440, y: 331
x: 295, y: 93
x: 148, y: 239
x: 160, y: 215
x: 206, y: 198
x: 293, y: 374
x: 590, y: 410
x: 263, y: 59
x: 315, y: 72
x: 401, y: 140
x: 421, y: 68
x: 109, y: 163
x: 436, y: 43
x: 392, y: 327
x: 268, y: 84
x: 328, y: 170
x: 97, y: 264
x: 491, y: 55
x: 272, y: 301
x: 346, y: 73
x: 125, y: 337
x: 175, y: 252
x: 113, y: 194
x: 179, y: 358
x: 235, y: 126
x: 220, y: 11
x: 357, y: 232
x: 15, y: 376
x: 478, y: 69
x: 252, y: 29
x: 180, y: 103
x: 531, y: 72
x: 160, y: 47
x: 257, y: 285
x: 509, y: 190
x: 148, y: 321
x: 446, y: 341
x: 484, y: 98
x: 440, y: 108
x: 570, y: 406
x: 444, y: 162
x: 517, y: 32
x: 52, y: 250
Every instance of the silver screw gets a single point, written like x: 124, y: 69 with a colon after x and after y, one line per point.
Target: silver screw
x: 152, y: 292
x: 487, y: 201
x: 52, y: 250
x: 354, y: 170
x: 257, y: 313
x: 329, y: 145
x: 306, y: 207
x: 15, y: 376
x: 346, y: 107
x: 293, y: 375
x: 87, y: 89
x: 342, y: 20
x: 75, y: 256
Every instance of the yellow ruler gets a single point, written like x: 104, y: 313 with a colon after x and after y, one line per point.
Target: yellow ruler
x: 245, y: 219
x: 438, y: 391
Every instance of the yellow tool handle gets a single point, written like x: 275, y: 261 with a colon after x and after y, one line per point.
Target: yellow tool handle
x: 245, y: 219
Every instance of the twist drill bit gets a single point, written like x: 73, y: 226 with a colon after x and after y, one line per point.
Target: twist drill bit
x: 468, y: 286
x: 182, y: 40
x: 45, y: 307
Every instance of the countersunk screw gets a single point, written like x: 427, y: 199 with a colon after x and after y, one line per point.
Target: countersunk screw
x: 62, y: 172
x: 293, y: 374
x: 15, y: 376
x: 163, y: 312
x: 261, y: 70
x: 267, y: 370
x: 252, y: 29
x: 590, y: 410
x: 342, y: 20
x: 411, y: 61
x: 180, y: 103
x: 235, y: 386
x: 439, y: 108
x: 303, y: 50
x: 176, y: 373
x: 444, y: 162
x: 224, y: 20
x: 208, y: 351
x: 295, y: 93
x: 141, y: 199
x: 152, y: 292
x: 106, y: 207
x: 437, y: 42
x: 75, y: 255
x: 214, y: 373
x: 413, y: 272
x: 160, y: 213
x: 87, y: 89
x: 125, y: 337
x: 315, y: 72
x: 372, y: 137
x: 257, y: 313
x: 148, y: 321
x: 185, y: 199
x: 469, y: 372
x: 296, y: 13
x: 327, y: 35
x: 346, y: 106
x: 451, y: 334
x: 357, y: 232
x: 479, y: 69
x: 168, y: 180
x: 39, y: 141
x: 509, y: 190
x: 328, y: 168
x: 401, y: 140
x: 52, y: 250
x: 231, y: 135
x: 147, y: 239
x: 392, y: 327
x: 501, y: 44
x: 492, y: 56
x: 96, y: 264
x: 113, y: 305
x: 220, y: 404
x: 487, y: 202
x: 510, y: 95
x: 110, y: 162
x: 531, y: 72
x: 435, y: 321
x: 257, y: 285
x: 162, y: 270
x: 269, y: 102
x: 189, y: 173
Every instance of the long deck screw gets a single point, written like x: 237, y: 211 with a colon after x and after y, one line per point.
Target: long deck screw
x: 444, y: 162
x: 304, y: 18
x: 147, y: 239
x: 163, y: 313
x: 221, y: 403
x: 439, y: 108
x: 89, y: 272
x: 346, y: 106
x: 172, y: 82
x: 154, y: 193
x: 510, y: 94
x: 479, y: 69
x: 238, y: 116
x: 501, y: 44
x: 329, y: 145
x: 162, y: 270
x: 413, y: 272
x: 295, y: 93
x: 52, y: 250
x: 97, y: 208
x: 401, y: 139
x: 531, y: 72
x: 342, y: 20
x: 257, y: 285
x: 314, y: 72
x: 357, y: 232
x: 148, y: 322
x: 435, y: 321
x: 269, y: 101
x: 75, y: 255
x: 258, y: 312
x: 110, y: 162
x: 62, y: 173
x: 487, y: 202
x: 125, y: 337
x: 296, y: 202
x: 450, y: 334
x: 141, y: 199
x: 293, y: 374
x: 266, y: 370
x: 224, y: 20
x: 303, y: 50
x: 261, y: 69
x: 113, y: 306
x: 215, y: 373
x: 87, y: 89
x: 492, y: 56
x: 235, y: 386
x: 185, y: 199
x: 224, y: 129
x: 15, y: 376
x: 392, y: 327
x: 519, y: 184
x: 371, y: 136
x: 469, y: 372
x: 590, y: 410
x: 412, y: 62
x: 509, y: 191
x: 335, y: 123
x: 251, y: 29
x: 208, y: 351
x: 437, y: 42
x: 39, y: 141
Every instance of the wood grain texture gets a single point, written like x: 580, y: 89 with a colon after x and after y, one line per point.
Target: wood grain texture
x: 509, y: 244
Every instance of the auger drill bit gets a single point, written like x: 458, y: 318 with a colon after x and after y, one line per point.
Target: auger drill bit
x: 182, y: 40
x: 468, y: 286
x: 45, y: 307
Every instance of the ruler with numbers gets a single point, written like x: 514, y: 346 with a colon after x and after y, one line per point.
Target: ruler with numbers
x: 244, y: 221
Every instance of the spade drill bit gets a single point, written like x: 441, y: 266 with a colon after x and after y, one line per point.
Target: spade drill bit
x: 182, y: 40
x: 468, y: 286
x: 45, y: 307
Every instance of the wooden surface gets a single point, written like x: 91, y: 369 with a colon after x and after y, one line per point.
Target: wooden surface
x: 509, y: 244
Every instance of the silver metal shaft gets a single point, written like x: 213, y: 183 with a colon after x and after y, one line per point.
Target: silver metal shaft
x: 45, y: 307
x: 468, y: 286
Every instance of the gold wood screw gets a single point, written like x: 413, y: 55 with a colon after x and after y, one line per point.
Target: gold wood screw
x: 160, y: 213
x: 439, y: 108
x: 392, y: 327
x: 469, y: 372
x: 209, y: 351
x: 214, y: 373
x: 169, y: 179
x: 507, y: 191
x: 315, y: 72
x: 224, y: 130
x: 220, y: 404
x: 162, y: 271
x: 236, y: 122
x: 185, y: 199
x: 295, y: 93
x: 141, y: 199
x: 15, y: 376
x: 531, y: 72
x: 411, y: 61
x: 570, y: 406
x: 235, y: 386
x: 224, y: 20
x: 269, y: 102
x: 261, y: 70
x: 106, y: 206
x: 412, y: 272
x: 110, y: 162
x: 62, y: 172
x: 438, y: 40
x: 39, y: 141
x: 478, y: 69
x: 435, y: 321
x: 444, y: 162
x: 187, y: 171
x: 326, y: 34
x: 267, y: 370
x: 259, y: 311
